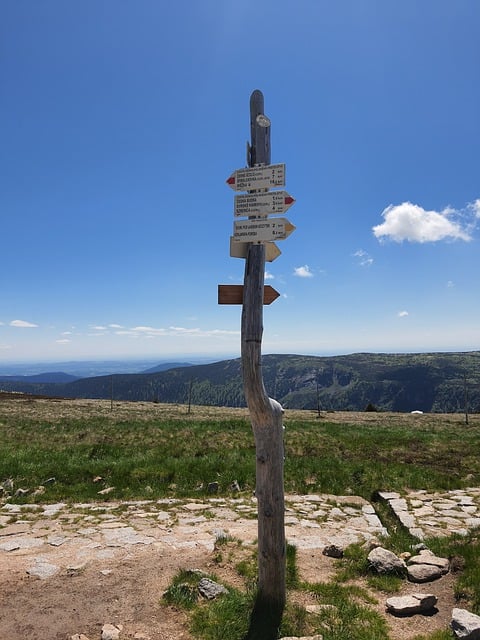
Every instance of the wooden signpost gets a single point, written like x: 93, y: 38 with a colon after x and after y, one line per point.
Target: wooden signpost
x: 233, y: 294
x: 252, y: 239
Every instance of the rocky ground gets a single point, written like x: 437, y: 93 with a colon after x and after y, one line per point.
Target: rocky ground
x: 67, y: 570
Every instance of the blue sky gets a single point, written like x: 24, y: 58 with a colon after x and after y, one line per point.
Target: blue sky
x: 121, y: 121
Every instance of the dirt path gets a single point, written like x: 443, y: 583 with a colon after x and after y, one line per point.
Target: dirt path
x: 70, y: 570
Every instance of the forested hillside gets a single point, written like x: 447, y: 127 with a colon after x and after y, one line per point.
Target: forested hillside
x: 438, y: 382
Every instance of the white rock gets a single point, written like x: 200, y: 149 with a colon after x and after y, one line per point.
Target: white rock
x: 43, y: 570
x: 423, y: 572
x: 111, y: 632
x: 427, y: 557
x: 411, y: 604
x: 465, y: 625
x: 385, y: 561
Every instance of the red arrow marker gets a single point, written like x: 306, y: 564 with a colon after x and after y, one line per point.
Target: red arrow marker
x: 289, y: 200
x: 231, y: 179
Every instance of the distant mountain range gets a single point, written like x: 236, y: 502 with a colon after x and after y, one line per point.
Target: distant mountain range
x: 438, y: 382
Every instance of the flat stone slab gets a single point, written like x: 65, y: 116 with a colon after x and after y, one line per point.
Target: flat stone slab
x: 423, y: 573
x: 43, y: 570
x: 442, y: 513
x: 411, y: 604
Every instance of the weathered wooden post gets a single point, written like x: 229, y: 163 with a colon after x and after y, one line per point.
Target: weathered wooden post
x: 266, y: 416
x: 253, y: 240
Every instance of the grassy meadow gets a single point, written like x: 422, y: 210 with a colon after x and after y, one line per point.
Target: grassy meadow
x: 148, y: 450
x: 77, y: 448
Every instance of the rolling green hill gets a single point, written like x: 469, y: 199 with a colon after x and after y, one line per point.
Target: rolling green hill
x: 430, y: 382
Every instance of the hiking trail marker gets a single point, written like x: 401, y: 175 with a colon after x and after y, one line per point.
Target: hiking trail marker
x: 252, y: 239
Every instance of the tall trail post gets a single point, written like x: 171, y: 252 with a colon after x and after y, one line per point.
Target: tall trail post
x: 253, y: 240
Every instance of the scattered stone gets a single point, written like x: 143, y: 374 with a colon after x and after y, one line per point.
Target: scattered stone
x: 19, y: 493
x: 385, y: 561
x: 210, y: 589
x: 50, y: 481
x: 319, y: 608
x: 106, y: 572
x: 212, y: 487
x: 50, y: 510
x: 421, y: 546
x: 10, y: 545
x: 79, y: 636
x: 317, y: 637
x: 411, y: 604
x: 23, y: 542
x: 235, y: 486
x: 423, y: 573
x: 56, y: 541
x: 7, y: 485
x: 76, y: 569
x: 427, y: 557
x: 43, y: 570
x: 333, y: 551
x: 106, y: 491
x: 111, y: 632
x: 465, y: 625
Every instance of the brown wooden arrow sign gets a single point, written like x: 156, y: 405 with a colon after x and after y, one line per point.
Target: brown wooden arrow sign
x: 233, y: 294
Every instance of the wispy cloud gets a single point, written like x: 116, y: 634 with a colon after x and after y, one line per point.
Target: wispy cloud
x: 402, y: 314
x: 23, y: 324
x: 450, y: 284
x: 475, y: 207
x: 413, y: 223
x: 269, y: 276
x: 63, y: 341
x: 155, y: 332
x: 303, y: 272
x: 364, y: 259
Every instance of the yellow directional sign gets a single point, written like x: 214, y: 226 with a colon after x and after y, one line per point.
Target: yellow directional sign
x: 262, y: 204
x: 240, y: 250
x: 262, y: 177
x: 262, y: 229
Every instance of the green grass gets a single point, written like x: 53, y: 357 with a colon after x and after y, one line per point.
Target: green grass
x: 346, y: 613
x: 152, y: 451
x: 147, y: 452
x: 464, y: 554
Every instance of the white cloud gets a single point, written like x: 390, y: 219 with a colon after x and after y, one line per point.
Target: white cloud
x: 153, y: 332
x: 63, y: 341
x: 364, y: 259
x: 23, y: 324
x: 303, y: 272
x: 411, y: 222
x: 269, y: 276
x: 475, y: 207
x: 115, y: 326
x: 402, y: 314
x: 99, y: 328
x: 450, y: 284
